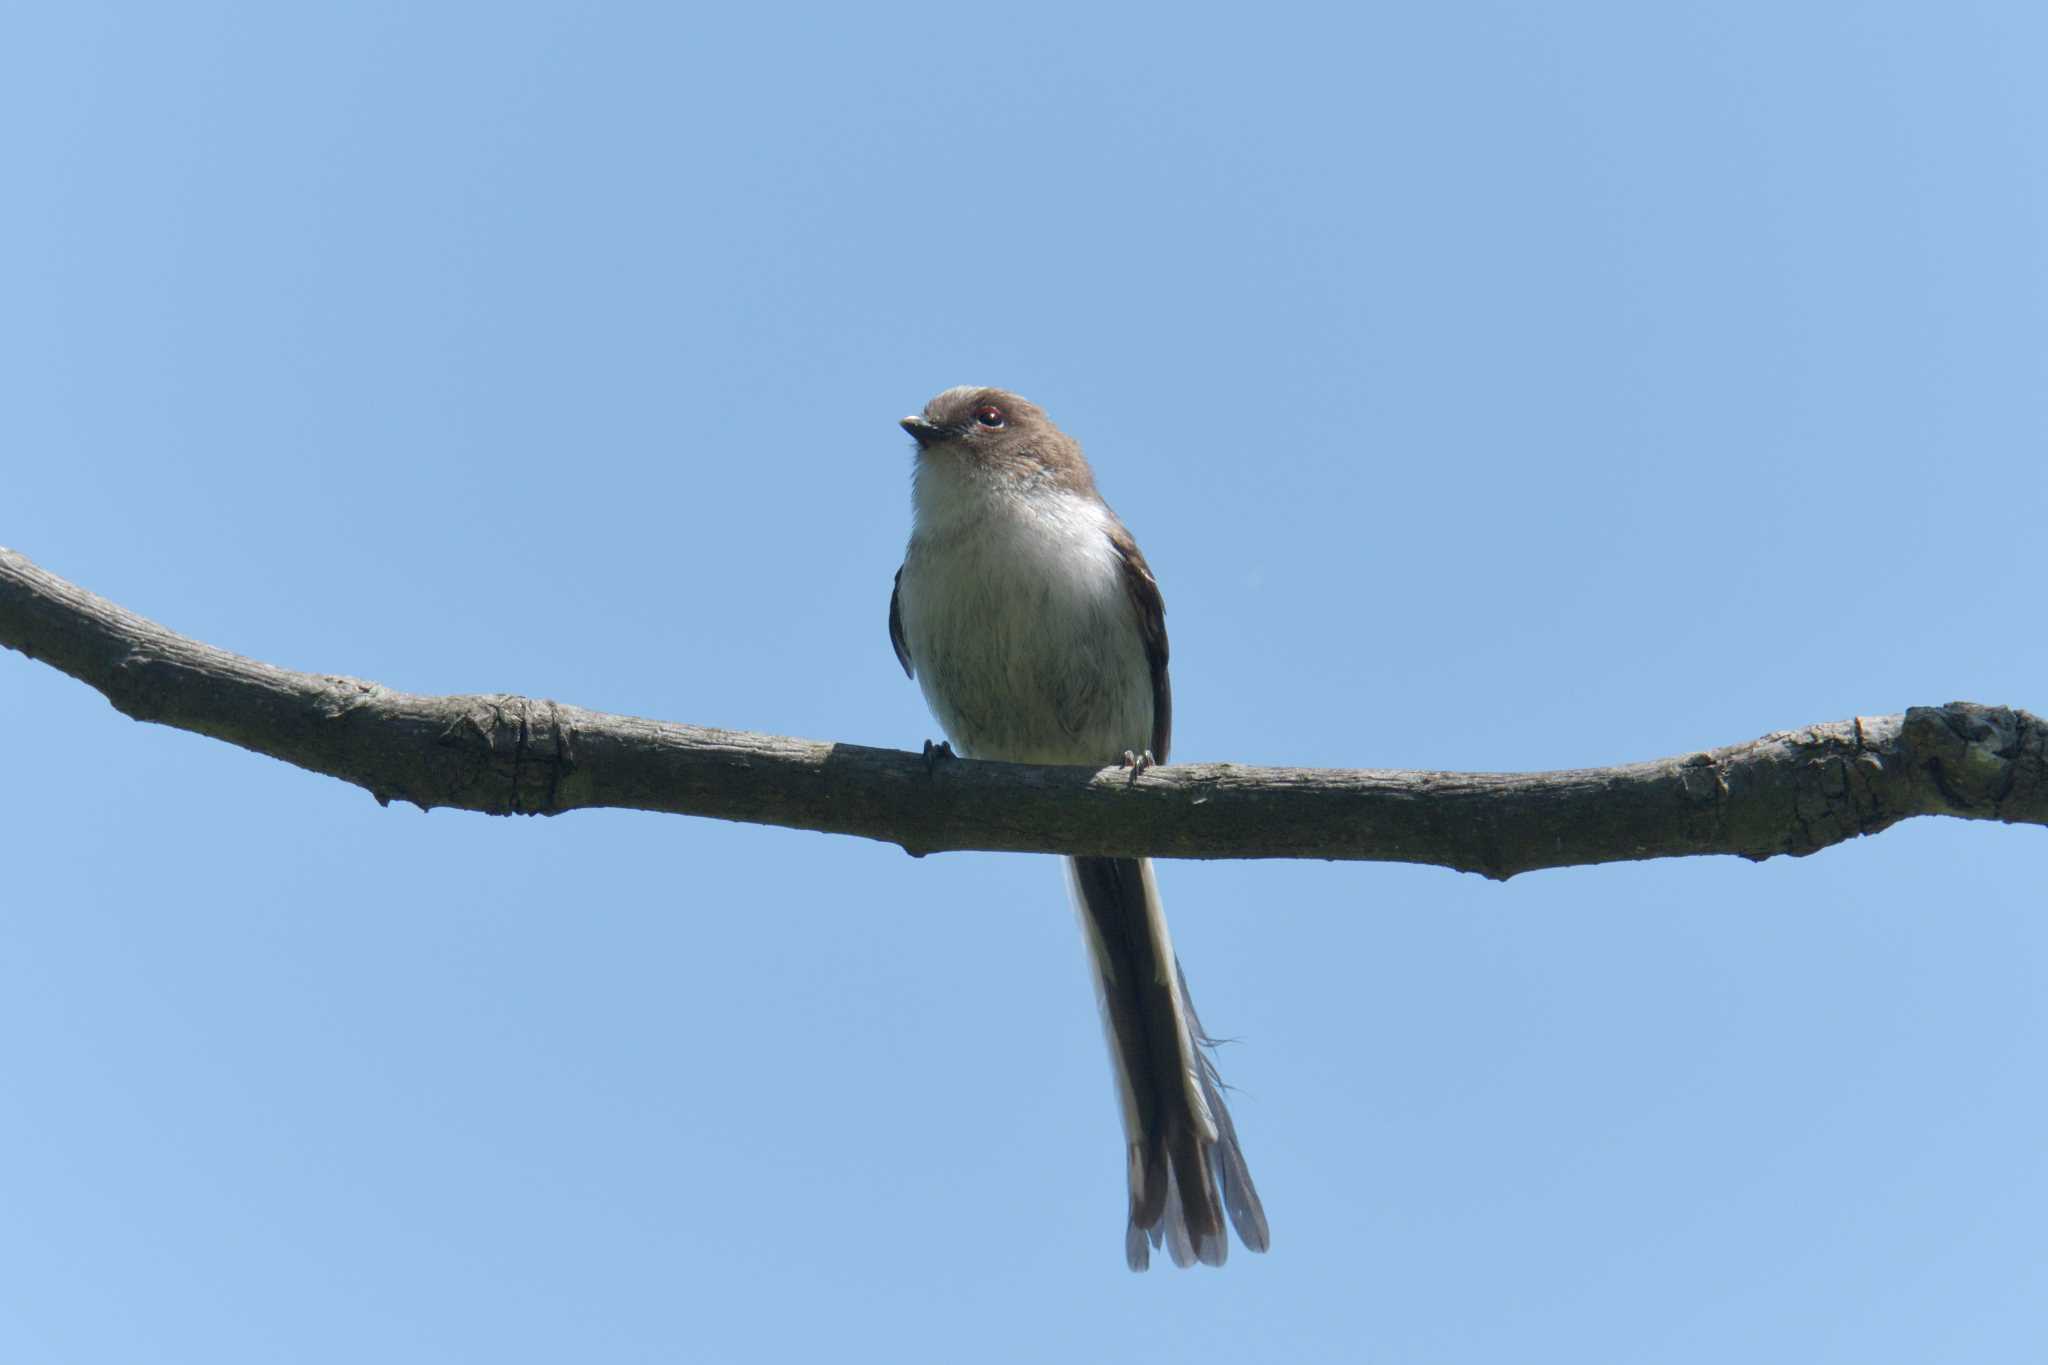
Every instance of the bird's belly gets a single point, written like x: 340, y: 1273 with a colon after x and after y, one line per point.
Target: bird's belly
x: 1026, y: 661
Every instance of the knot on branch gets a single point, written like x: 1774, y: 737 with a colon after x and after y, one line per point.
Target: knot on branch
x: 143, y: 685
x: 1986, y: 762
x: 523, y: 750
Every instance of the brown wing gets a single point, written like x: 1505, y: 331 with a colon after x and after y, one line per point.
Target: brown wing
x: 1151, y: 608
x: 896, y: 626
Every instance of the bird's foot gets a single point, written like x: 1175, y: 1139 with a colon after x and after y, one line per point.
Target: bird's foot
x: 1138, y: 763
x: 935, y: 754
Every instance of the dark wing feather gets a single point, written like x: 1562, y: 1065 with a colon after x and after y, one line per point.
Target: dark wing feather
x: 1151, y: 609
x: 896, y: 626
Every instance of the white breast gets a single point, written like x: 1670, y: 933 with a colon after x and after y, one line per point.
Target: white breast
x: 1019, y: 626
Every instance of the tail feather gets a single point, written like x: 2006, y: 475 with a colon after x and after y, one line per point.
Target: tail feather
x: 1182, y: 1144
x: 1240, y: 1196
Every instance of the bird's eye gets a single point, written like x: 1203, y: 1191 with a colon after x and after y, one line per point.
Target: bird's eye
x: 990, y: 416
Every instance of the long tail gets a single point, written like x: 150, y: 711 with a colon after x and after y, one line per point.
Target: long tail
x: 1183, y: 1146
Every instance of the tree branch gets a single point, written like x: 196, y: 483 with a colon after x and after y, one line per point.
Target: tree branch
x: 1792, y: 792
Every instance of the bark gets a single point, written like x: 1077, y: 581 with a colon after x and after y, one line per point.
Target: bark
x: 1792, y: 793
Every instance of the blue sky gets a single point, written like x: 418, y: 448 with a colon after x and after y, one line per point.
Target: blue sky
x: 1490, y: 386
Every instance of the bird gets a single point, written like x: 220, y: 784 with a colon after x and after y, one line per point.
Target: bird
x: 1037, y: 633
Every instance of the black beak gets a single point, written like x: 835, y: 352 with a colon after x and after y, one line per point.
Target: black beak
x: 925, y: 432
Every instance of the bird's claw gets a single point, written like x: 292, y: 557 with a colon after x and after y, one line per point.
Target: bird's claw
x: 934, y: 754
x: 1139, y: 762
